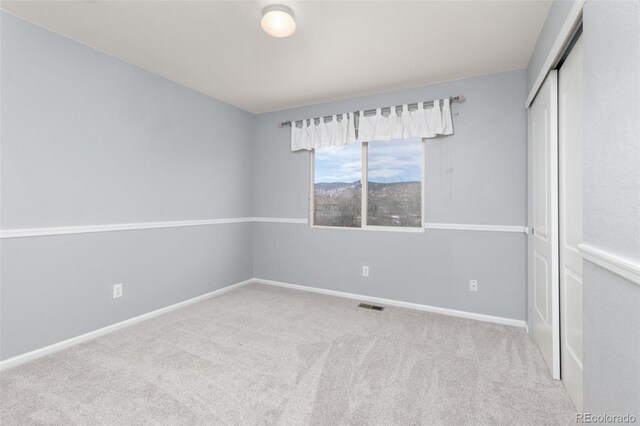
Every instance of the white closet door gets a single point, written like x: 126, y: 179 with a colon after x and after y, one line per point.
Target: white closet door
x: 544, y: 245
x: 570, y: 140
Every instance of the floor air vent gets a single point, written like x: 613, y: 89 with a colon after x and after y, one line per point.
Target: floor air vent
x: 372, y: 307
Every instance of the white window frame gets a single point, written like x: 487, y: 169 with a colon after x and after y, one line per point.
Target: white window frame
x: 363, y: 197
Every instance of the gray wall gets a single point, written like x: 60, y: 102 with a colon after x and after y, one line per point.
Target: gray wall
x: 477, y: 176
x: 611, y: 305
x: 55, y: 288
x: 88, y: 139
x: 611, y: 191
x: 133, y: 146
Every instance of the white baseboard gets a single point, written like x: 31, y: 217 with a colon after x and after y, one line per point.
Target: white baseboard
x: 38, y: 353
x: 391, y: 302
x: 47, y: 350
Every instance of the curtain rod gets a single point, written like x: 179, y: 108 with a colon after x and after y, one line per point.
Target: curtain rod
x: 459, y: 98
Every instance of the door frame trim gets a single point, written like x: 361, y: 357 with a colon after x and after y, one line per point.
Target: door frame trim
x: 565, y: 35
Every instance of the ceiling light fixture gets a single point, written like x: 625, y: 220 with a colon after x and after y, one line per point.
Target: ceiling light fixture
x: 277, y: 20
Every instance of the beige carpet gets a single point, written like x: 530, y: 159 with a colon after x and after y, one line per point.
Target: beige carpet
x: 264, y: 355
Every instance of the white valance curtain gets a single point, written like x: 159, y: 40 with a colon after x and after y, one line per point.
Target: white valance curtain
x: 419, y: 123
x: 323, y: 134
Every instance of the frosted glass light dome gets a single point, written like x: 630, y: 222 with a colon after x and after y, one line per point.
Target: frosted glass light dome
x: 277, y: 21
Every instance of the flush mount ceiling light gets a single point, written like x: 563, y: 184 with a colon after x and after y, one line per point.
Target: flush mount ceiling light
x: 277, y: 20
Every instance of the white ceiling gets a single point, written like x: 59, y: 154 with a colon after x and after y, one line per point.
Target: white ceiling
x: 339, y: 50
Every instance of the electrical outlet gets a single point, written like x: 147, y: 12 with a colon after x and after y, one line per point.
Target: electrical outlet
x: 117, y: 291
x: 473, y: 285
x: 365, y: 271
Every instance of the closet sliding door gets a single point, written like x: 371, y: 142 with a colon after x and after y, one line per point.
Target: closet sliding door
x: 543, y: 136
x: 570, y: 151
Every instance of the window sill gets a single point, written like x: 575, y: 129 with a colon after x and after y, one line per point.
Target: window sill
x: 414, y: 230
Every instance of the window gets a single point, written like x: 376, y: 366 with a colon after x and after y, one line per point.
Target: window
x: 393, y: 185
x: 337, y: 186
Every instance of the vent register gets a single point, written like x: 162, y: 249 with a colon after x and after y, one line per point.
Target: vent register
x: 371, y: 307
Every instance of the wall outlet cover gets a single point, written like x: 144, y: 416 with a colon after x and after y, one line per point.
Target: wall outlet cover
x: 117, y: 291
x: 473, y: 285
x: 365, y: 271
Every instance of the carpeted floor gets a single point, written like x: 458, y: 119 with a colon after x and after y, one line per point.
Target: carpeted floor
x: 265, y: 355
